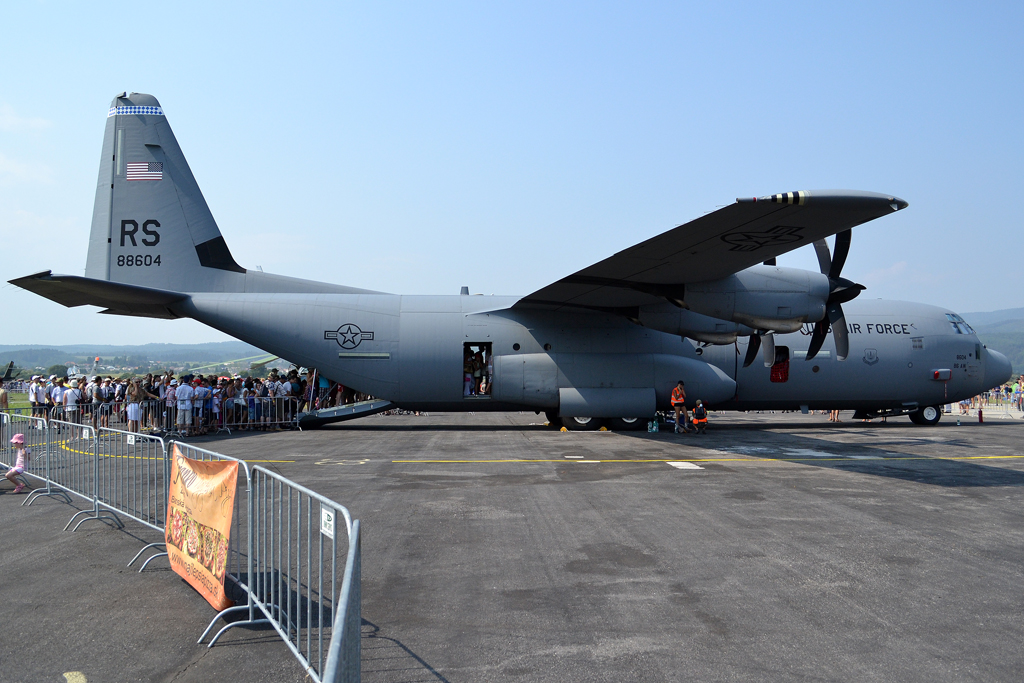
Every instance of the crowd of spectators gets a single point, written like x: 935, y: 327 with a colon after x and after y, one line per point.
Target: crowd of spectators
x: 1009, y: 395
x: 185, y: 405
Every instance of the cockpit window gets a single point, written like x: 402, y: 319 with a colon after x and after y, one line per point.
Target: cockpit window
x: 958, y: 324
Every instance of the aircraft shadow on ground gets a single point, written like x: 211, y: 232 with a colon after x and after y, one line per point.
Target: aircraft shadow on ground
x: 892, y: 455
x: 887, y: 456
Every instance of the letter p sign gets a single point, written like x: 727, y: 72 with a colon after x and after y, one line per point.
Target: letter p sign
x: 327, y: 522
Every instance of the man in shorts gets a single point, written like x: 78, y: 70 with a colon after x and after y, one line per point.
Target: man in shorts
x: 184, y: 396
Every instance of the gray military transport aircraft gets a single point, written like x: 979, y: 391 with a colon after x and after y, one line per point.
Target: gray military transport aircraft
x: 701, y: 302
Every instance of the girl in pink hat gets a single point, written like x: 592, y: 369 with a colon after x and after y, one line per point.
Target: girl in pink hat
x: 23, y: 455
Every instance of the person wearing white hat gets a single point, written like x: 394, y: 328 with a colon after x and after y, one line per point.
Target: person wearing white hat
x: 22, y: 456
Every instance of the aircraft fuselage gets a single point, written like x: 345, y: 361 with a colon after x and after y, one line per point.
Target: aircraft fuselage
x: 409, y: 350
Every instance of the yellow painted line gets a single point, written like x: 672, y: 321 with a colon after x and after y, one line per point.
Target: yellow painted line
x: 752, y: 459
x: 64, y: 446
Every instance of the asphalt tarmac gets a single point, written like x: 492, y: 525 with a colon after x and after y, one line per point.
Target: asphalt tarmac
x: 776, y: 547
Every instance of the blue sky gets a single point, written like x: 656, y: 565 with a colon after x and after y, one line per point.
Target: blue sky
x: 416, y: 148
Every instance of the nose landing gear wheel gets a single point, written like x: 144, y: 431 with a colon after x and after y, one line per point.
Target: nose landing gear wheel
x: 926, y: 416
x: 581, y: 424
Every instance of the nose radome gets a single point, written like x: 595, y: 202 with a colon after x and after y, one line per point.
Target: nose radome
x: 997, y: 368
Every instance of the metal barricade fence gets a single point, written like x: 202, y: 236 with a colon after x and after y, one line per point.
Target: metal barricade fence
x: 73, y: 466
x: 297, y: 563
x: 133, y: 473
x: 344, y: 657
x: 260, y: 413
x: 284, y: 553
x: 38, y: 465
x: 71, y: 457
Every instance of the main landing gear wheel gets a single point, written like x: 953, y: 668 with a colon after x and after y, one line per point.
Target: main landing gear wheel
x: 553, y: 419
x: 581, y: 424
x: 926, y: 416
x: 626, y: 424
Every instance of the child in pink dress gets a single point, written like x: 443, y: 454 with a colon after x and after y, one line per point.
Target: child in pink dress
x: 23, y: 455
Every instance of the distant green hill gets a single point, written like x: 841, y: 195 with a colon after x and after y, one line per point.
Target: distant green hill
x: 1007, y: 337
x: 31, y: 356
x: 993, y: 317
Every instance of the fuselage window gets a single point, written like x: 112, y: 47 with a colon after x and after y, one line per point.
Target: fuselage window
x: 477, y: 370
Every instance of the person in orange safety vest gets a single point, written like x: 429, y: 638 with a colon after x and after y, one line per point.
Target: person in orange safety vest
x: 700, y: 417
x: 679, y: 405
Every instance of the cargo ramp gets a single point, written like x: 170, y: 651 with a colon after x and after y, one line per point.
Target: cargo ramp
x: 350, y: 411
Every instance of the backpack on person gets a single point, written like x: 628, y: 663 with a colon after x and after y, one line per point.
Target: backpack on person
x: 700, y: 413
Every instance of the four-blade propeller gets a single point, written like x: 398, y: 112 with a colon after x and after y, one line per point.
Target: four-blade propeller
x: 841, y: 290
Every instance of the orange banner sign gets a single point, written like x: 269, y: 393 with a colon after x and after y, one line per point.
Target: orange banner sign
x: 199, y: 508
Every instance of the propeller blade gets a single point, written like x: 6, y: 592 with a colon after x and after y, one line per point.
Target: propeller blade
x: 824, y: 258
x: 753, y: 344
x: 768, y: 344
x: 817, y: 339
x: 839, y: 331
x: 841, y: 251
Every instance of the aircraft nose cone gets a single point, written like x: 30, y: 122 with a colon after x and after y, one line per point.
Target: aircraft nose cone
x: 997, y: 368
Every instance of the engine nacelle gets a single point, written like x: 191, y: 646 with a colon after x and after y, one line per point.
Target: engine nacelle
x: 674, y: 320
x: 763, y: 297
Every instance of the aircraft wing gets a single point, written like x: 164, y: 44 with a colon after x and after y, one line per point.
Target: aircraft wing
x: 117, y: 298
x: 713, y: 246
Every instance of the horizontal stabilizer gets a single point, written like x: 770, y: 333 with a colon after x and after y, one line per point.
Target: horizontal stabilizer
x: 118, y: 298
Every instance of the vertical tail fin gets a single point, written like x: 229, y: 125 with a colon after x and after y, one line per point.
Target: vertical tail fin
x: 151, y: 225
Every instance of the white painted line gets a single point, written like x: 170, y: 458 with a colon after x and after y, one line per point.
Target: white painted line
x: 576, y: 457
x: 685, y: 465
x: 588, y: 461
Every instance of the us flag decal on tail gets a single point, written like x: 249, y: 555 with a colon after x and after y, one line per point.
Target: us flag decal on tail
x: 145, y: 170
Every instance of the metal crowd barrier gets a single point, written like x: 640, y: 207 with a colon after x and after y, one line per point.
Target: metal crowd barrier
x: 74, y: 467
x: 285, y: 556
x: 255, y: 412
x: 344, y: 655
x: 70, y: 457
x: 38, y: 466
x: 133, y: 476
x: 297, y: 564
